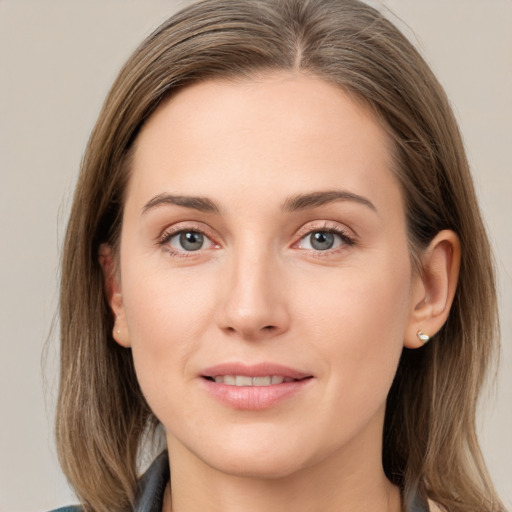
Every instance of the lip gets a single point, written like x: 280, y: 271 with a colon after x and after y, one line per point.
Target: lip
x: 254, y: 370
x: 254, y: 397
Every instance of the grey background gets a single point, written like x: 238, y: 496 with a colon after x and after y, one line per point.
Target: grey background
x: 57, y: 60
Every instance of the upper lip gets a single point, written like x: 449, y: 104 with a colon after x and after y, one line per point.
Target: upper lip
x: 253, y: 370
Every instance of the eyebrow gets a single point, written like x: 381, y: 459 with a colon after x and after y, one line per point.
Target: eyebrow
x: 202, y: 204
x: 305, y: 201
x: 292, y: 204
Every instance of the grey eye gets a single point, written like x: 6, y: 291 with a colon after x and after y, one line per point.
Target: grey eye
x: 189, y: 240
x: 322, y: 240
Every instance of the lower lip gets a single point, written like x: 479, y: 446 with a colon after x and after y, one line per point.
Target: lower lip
x: 254, y: 397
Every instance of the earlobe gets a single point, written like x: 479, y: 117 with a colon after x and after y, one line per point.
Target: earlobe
x: 113, y: 293
x: 434, y: 289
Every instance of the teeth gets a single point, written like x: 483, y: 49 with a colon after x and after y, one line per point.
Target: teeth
x: 261, y: 381
x: 241, y: 380
x: 244, y: 380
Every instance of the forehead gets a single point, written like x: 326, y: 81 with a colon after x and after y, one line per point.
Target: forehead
x: 277, y: 130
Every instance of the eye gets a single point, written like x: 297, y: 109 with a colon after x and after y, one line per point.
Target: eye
x: 325, y: 240
x: 179, y: 242
x: 187, y: 240
x: 321, y: 240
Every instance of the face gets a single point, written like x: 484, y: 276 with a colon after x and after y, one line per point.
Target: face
x: 265, y: 280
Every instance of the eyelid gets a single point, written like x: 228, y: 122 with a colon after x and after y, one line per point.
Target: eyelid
x: 168, y: 233
x: 347, y: 235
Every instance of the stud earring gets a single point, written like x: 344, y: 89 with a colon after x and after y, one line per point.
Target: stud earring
x: 423, y: 337
x: 117, y: 330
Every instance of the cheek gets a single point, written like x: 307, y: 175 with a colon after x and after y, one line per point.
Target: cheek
x: 358, y: 323
x: 166, y: 313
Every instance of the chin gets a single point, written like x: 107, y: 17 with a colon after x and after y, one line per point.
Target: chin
x: 247, y: 455
x: 261, y: 466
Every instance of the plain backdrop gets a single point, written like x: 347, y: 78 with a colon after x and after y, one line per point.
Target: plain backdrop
x: 57, y: 61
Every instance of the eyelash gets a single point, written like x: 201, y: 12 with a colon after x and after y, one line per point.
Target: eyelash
x: 170, y: 233
x: 326, y: 227
x: 302, y: 234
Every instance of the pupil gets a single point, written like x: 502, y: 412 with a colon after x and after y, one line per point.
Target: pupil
x: 322, y: 240
x: 191, y: 240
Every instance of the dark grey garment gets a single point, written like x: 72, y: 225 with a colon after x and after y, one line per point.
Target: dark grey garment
x: 150, y: 496
x: 152, y: 485
x: 152, y: 488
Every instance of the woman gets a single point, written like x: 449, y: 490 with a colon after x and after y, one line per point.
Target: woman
x: 276, y: 254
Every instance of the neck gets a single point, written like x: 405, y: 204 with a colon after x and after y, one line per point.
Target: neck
x: 283, y: 494
x: 347, y: 481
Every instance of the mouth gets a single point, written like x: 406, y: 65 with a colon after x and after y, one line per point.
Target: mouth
x: 254, y: 387
x: 246, y: 380
x: 254, y: 375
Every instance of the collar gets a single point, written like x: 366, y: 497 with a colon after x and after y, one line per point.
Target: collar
x: 150, y: 497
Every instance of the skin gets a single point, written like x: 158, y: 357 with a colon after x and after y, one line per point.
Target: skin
x: 258, y: 291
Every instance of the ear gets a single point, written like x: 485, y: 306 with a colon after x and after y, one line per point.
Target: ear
x: 113, y: 292
x: 434, y: 288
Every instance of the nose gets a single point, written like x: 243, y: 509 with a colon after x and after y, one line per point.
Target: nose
x: 254, y: 302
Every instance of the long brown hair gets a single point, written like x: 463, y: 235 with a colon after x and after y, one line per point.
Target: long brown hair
x: 430, y: 444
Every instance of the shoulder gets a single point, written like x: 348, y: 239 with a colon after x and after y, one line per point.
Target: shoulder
x: 151, y: 490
